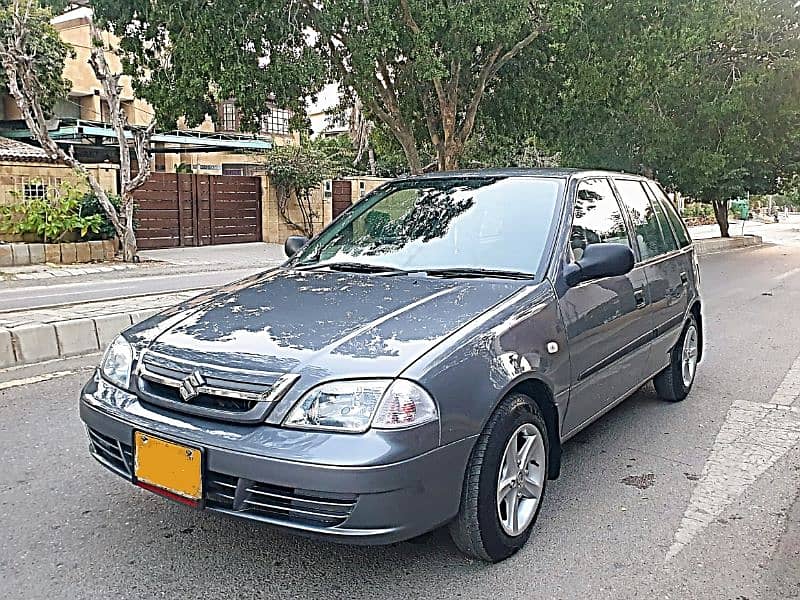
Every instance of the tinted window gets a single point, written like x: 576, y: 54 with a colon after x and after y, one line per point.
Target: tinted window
x: 678, y: 226
x: 598, y: 218
x: 493, y: 223
x: 653, y: 235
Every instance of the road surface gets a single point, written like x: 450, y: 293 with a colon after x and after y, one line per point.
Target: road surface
x: 691, y: 500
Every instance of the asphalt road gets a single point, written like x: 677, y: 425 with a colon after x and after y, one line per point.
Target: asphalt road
x: 718, y: 478
x: 20, y: 295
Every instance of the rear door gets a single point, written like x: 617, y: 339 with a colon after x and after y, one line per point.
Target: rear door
x: 667, y: 268
x: 607, y: 321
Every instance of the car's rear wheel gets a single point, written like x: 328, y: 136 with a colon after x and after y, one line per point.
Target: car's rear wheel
x: 505, y: 482
x: 675, y: 382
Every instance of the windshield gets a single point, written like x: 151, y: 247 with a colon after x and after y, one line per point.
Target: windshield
x: 499, y: 223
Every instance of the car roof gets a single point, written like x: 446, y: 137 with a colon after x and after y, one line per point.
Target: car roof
x: 560, y: 173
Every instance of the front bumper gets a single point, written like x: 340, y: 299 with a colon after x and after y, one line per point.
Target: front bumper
x: 375, y: 504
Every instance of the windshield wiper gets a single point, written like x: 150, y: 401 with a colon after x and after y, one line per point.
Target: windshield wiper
x: 356, y: 267
x: 477, y: 273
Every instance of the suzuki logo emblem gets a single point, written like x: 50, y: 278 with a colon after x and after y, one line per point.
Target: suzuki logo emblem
x: 190, y: 387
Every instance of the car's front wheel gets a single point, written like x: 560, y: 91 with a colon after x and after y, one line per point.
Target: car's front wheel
x: 505, y: 482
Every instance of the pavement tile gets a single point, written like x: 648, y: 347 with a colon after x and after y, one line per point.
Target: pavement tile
x: 7, y: 356
x: 6, y: 255
x: 76, y: 337
x: 21, y: 254
x: 36, y: 254
x: 68, y: 254
x: 52, y: 253
x: 35, y: 342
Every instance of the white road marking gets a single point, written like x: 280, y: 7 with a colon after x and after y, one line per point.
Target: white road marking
x: 788, y: 274
x: 35, y: 379
x: 753, y: 437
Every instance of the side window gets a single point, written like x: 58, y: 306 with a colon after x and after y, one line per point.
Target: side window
x: 598, y: 217
x: 672, y: 216
x: 653, y: 235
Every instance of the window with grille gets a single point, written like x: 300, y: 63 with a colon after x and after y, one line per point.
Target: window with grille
x: 35, y: 190
x: 228, y: 116
x: 277, y: 121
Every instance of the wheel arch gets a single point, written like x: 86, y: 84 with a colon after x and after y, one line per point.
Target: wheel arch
x: 540, y: 393
x: 697, y: 312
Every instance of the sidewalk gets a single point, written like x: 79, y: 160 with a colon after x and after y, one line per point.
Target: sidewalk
x: 37, y: 335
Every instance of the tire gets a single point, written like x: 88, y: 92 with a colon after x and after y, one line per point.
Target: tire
x: 477, y: 529
x: 670, y: 383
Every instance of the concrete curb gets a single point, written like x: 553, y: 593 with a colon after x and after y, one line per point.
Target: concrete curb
x: 713, y: 245
x: 37, y: 342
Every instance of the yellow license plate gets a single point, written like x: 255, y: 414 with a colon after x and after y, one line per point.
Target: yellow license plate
x: 167, y: 465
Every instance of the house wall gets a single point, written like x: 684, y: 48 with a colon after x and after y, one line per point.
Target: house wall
x: 86, y: 89
x: 369, y: 184
x: 275, y: 229
x: 14, y: 176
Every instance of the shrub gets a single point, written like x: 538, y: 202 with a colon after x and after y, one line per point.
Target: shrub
x: 50, y: 218
x: 91, y: 206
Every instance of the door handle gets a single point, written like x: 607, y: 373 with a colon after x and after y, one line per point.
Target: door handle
x: 684, y: 278
x: 640, y: 299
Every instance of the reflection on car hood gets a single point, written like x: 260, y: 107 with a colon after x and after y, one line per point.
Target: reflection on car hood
x: 333, y: 323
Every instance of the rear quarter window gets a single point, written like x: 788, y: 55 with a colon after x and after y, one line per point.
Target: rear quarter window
x: 678, y: 226
x: 653, y: 234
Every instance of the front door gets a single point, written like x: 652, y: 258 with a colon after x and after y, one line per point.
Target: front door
x: 666, y: 268
x: 607, y: 320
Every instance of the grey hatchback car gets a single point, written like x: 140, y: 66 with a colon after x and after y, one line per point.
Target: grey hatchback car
x: 420, y: 362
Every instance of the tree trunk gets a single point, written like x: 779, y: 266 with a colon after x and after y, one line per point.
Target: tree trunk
x: 448, y: 157
x: 721, y: 214
x: 373, y: 169
x: 409, y: 146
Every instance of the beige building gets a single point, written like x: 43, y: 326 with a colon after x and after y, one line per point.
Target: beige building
x: 212, y: 148
x: 26, y: 172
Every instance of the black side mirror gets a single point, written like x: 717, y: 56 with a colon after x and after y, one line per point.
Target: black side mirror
x: 600, y: 260
x: 293, y: 244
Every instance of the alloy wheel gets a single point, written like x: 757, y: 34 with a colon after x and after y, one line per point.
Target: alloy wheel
x: 521, y: 479
x: 689, y: 356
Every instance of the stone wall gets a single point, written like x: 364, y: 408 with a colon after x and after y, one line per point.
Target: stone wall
x: 273, y: 226
x: 362, y: 186
x: 18, y: 255
x: 276, y: 230
x: 15, y: 175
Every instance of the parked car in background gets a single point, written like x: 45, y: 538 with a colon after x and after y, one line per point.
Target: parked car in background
x: 421, y: 362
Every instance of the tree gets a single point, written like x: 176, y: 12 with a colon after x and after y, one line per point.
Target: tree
x: 421, y: 69
x: 703, y: 95
x: 33, y: 57
x: 296, y: 171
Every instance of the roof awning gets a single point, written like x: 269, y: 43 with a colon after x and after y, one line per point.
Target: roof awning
x: 72, y: 130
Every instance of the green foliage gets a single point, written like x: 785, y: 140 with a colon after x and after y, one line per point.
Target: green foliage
x: 420, y: 68
x: 51, y: 218
x: 698, y: 209
x: 90, y: 206
x: 703, y: 95
x: 300, y: 167
x: 46, y: 50
x: 187, y: 56
x: 295, y: 171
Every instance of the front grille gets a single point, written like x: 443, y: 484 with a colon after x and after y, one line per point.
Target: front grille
x: 111, y: 453
x: 210, y: 401
x: 216, y: 392
x: 277, y: 503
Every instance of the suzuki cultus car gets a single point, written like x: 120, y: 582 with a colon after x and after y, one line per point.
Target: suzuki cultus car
x: 419, y: 363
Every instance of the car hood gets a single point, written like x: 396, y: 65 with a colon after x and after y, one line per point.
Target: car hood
x: 322, y: 323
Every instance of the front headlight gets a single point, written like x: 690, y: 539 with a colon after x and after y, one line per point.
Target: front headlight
x: 352, y: 406
x: 117, y: 362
